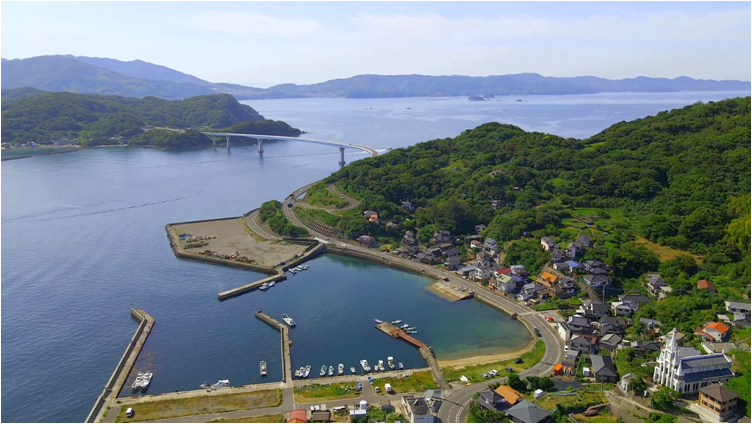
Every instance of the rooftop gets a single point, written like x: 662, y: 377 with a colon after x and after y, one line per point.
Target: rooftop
x: 718, y: 392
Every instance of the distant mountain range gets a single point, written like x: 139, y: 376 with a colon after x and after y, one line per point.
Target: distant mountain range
x: 80, y: 74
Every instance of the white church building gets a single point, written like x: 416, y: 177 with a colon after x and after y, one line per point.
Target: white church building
x: 684, y: 369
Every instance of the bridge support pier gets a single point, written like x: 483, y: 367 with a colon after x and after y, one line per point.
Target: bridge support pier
x: 214, y: 141
x: 260, y: 145
x: 227, y: 138
x: 341, y: 156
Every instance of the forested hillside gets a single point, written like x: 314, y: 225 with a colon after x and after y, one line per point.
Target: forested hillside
x: 680, y: 179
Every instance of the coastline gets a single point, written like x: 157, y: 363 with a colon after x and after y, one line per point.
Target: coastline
x: 473, y: 359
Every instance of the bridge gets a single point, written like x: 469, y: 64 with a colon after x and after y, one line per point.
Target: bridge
x: 261, y: 137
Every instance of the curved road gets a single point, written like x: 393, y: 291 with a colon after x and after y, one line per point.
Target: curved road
x: 455, y: 405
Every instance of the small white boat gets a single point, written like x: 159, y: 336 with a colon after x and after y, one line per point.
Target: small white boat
x: 404, y: 325
x: 307, y: 371
x: 262, y: 365
x: 304, y: 267
x: 286, y: 318
x: 381, y: 365
x: 410, y: 328
x: 147, y: 380
x: 331, y: 370
x: 293, y: 271
x: 323, y: 370
x: 264, y: 286
x: 297, y: 373
x: 390, y: 361
x: 137, y: 384
x: 364, y: 364
x: 377, y: 321
x: 205, y: 385
x: 352, y: 370
x: 397, y: 322
x: 340, y: 369
x: 400, y: 365
x: 220, y: 384
x: 411, y: 331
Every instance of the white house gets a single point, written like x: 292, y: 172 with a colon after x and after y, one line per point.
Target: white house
x: 547, y: 243
x: 505, y: 283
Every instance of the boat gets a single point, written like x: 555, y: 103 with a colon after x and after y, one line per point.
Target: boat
x: 221, y: 383
x: 264, y: 286
x: 205, y: 385
x: 286, y: 318
x: 340, y: 369
x: 381, y: 365
x: 400, y: 366
x: 293, y: 271
x: 390, y: 361
x: 147, y: 380
x: 304, y: 267
x: 410, y: 328
x: 323, y: 370
x: 404, y: 325
x: 411, y: 331
x: 397, y: 322
x: 364, y: 364
x: 137, y: 384
x: 297, y: 373
x: 262, y: 365
x: 377, y: 321
x: 352, y: 370
x: 301, y: 372
x: 331, y: 370
x: 271, y: 284
x: 307, y: 371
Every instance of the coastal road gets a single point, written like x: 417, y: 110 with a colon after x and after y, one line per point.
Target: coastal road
x: 254, y: 223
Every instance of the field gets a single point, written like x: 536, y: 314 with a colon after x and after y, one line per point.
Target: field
x: 602, y: 417
x: 159, y: 409
x: 664, y: 252
x: 322, y: 392
x: 417, y: 382
x: 276, y: 418
x: 232, y: 235
x: 311, y: 215
x: 584, y: 397
x: 473, y: 372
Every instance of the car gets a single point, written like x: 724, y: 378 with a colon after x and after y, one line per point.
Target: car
x: 518, y: 361
x: 129, y: 412
x: 377, y: 389
x: 509, y: 369
x: 289, y: 205
x: 484, y: 375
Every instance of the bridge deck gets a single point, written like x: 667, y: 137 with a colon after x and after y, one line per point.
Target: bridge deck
x: 373, y: 152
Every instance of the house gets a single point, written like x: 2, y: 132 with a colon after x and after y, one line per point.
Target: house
x: 657, y: 286
x: 371, y: 216
x: 585, y: 241
x: 391, y: 225
x: 714, y: 332
x: 589, y: 266
x: 483, y: 259
x: 718, y: 400
x: 483, y: 273
x: 410, y: 239
x: 625, y: 382
x: 712, y: 347
x: 622, y: 309
x: 416, y: 409
x: 706, y: 285
x: 738, y: 307
x: 572, y: 354
x: 610, y: 342
x: 563, y: 329
x: 650, y: 323
x: 547, y: 244
x: 505, y: 283
x: 467, y: 271
x: 503, y: 271
x: 634, y: 299
x: 561, y: 267
x: 564, y: 287
x: 366, y: 240
x: 557, y: 254
x: 434, y: 399
x: 604, y: 369
x: 526, y: 412
x: 519, y: 270
x: 489, y: 399
x: 321, y: 416
x: 298, y: 416
x: 408, y: 206
x: 452, y: 251
x: 583, y: 344
x: 548, y: 278
x: 643, y: 347
x: 491, y: 246
x: 595, y: 280
x: 573, y: 265
x: 531, y: 290
x: 572, y: 250
x: 580, y: 325
x: 673, y: 333
x: 599, y: 271
x: 479, y: 228
x: 687, y: 372
x: 620, y: 324
x: 435, y: 252
x: 475, y: 244
x: 453, y: 263
x: 510, y: 396
x: 443, y: 236
x: 594, y: 309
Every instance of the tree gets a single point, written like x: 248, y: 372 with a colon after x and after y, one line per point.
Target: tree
x: 542, y: 383
x: 664, y: 398
x: 514, y: 382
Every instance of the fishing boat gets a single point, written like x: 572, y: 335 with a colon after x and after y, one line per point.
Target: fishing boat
x: 410, y: 328
x: 377, y: 321
x: 307, y: 371
x: 364, y: 364
x: 323, y: 370
x: 264, y: 286
x: 205, y: 385
x: 262, y: 365
x: 293, y: 271
x: 271, y: 284
x: 352, y: 370
x: 146, y: 381
x: 297, y: 373
x: 304, y: 267
x: 411, y: 331
x: 404, y: 325
x: 400, y: 365
x: 340, y: 369
x: 331, y: 370
x: 221, y: 383
x: 381, y: 365
x: 390, y: 361
x: 137, y: 384
x: 397, y: 322
x: 286, y: 318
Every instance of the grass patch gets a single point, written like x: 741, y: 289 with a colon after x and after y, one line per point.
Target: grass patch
x: 455, y: 163
x: 588, y: 148
x: 319, y: 194
x: 602, y: 417
x: 309, y: 216
x: 321, y: 392
x: 665, y: 253
x: 417, y: 382
x: 207, y: 404
x: 586, y: 398
x: 276, y: 418
x: 473, y: 372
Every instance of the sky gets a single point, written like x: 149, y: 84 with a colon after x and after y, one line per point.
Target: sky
x: 267, y: 43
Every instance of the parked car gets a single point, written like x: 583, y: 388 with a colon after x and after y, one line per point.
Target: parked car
x: 518, y: 361
x: 509, y: 369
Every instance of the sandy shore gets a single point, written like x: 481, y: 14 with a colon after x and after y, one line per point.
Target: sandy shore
x: 447, y: 290
x: 484, y: 359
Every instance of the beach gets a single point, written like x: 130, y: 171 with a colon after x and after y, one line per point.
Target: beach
x: 484, y: 359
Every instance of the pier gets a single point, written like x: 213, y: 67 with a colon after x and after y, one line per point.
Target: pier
x: 286, y: 344
x: 125, y: 365
x: 251, y: 286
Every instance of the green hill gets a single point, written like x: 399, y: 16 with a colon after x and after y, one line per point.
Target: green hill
x: 679, y: 179
x: 91, y: 119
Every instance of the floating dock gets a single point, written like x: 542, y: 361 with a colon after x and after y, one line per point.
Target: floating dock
x: 425, y: 351
x: 398, y: 333
x: 286, y: 343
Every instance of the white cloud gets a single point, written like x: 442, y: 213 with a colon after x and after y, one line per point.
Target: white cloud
x: 253, y: 24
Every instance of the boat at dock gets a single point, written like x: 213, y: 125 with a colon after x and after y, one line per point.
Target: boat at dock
x: 404, y: 325
x: 297, y: 373
x: 262, y: 365
x: 220, y: 384
x: 390, y: 362
x: 410, y: 328
x: 323, y: 370
x: 331, y: 370
x: 271, y: 284
x: 137, y: 384
x: 205, y: 385
x: 377, y: 321
x: 400, y: 366
x: 381, y: 365
x: 307, y: 371
x: 286, y: 318
x: 352, y: 370
x: 411, y: 331
x: 364, y: 364
x: 146, y: 380
x: 399, y: 321
x: 264, y: 286
x: 340, y: 369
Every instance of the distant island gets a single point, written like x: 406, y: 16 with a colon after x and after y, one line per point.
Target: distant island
x: 30, y: 115
x: 79, y: 74
x: 476, y: 98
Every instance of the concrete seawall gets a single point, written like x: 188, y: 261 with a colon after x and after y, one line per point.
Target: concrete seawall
x: 386, y: 262
x: 125, y: 365
x: 286, y: 344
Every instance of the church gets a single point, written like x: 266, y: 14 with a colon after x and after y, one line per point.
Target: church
x: 684, y: 369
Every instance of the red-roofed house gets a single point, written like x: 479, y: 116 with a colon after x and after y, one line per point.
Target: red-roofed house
x: 298, y: 416
x: 706, y: 285
x: 715, y: 331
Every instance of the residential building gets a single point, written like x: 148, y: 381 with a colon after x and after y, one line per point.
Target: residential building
x: 643, y: 347
x: 584, y: 241
x: 491, y: 246
x: 604, y: 369
x: 613, y: 325
x: 714, y: 332
x: 503, y: 271
x: 561, y: 267
x: 410, y: 239
x: 634, y: 299
x: 719, y: 400
x: 479, y: 228
x: 483, y: 259
x: 467, y: 271
x: 583, y: 343
x: 548, y: 278
x: 706, y: 285
x: 589, y: 266
x: 489, y: 399
x: 572, y: 250
x: 434, y: 400
x: 366, y: 240
x: 609, y: 342
x: 650, y: 323
x: 526, y: 412
x: 739, y: 307
x: 625, y: 382
x: 417, y: 409
x: 673, y: 333
x: 371, y: 216
x: 451, y: 251
x: 565, y: 287
x: 298, y: 416
x: 408, y: 206
x: 579, y: 324
x: 713, y: 347
x: 657, y: 286
x: 532, y: 290
x: 510, y: 396
x: 595, y: 280
x: 557, y: 254
x: 453, y: 263
x: 573, y: 265
x: 547, y: 244
x: 594, y: 309
x: 622, y: 309
x: 687, y: 372
x: 572, y: 354
x: 505, y: 283
x: 563, y: 329
x: 483, y: 273
x: 443, y: 236
x: 321, y: 416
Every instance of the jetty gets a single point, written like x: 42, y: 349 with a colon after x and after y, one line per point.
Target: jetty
x: 286, y: 343
x: 251, y: 286
x: 398, y: 333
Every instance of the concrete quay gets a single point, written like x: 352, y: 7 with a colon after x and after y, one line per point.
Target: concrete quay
x: 286, y: 344
x: 251, y: 286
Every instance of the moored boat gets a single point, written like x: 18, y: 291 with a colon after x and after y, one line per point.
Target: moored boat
x: 286, y: 318
x: 352, y: 370
x: 390, y: 361
x: 137, y: 384
x: 404, y: 325
x: 323, y: 370
x: 340, y: 369
x: 410, y: 328
x: 147, y: 380
x: 364, y: 364
x: 397, y: 321
x: 307, y: 371
x: 377, y: 321
x: 400, y: 365
x: 297, y: 373
x: 264, y: 286
x: 262, y: 366
x: 331, y: 370
x: 381, y: 365
x: 205, y: 385
x: 411, y: 331
x: 220, y: 384
x: 271, y: 284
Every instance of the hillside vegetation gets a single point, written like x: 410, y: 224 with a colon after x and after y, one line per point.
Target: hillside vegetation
x: 92, y: 119
x: 679, y: 179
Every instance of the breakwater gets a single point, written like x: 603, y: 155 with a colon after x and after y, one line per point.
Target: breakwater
x: 286, y: 344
